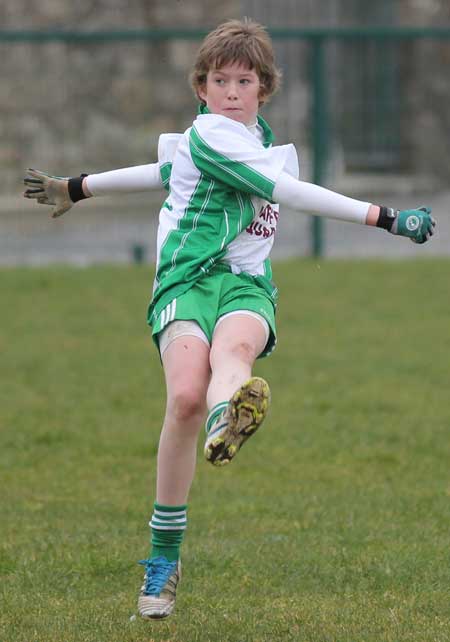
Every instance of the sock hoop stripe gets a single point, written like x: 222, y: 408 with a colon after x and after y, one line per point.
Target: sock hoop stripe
x: 168, y: 526
x: 161, y: 513
x: 173, y: 524
x: 180, y: 520
x: 160, y: 527
x: 217, y: 428
x: 214, y: 413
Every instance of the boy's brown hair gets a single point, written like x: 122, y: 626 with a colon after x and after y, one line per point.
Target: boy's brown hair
x: 238, y: 41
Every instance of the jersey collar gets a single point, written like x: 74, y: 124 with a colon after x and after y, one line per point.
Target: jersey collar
x: 267, y: 131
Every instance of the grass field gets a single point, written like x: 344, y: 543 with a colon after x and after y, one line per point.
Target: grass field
x: 331, y: 526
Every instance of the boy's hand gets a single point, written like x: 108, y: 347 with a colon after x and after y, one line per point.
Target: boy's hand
x: 418, y: 224
x: 60, y: 191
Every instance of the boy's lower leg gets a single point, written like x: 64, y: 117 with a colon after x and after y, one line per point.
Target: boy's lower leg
x: 238, y: 402
x: 176, y: 466
x: 177, y: 452
x: 229, y: 426
x: 163, y: 568
x: 177, y: 458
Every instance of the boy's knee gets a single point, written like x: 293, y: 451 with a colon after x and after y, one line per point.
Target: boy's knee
x: 186, y: 404
x: 242, y: 350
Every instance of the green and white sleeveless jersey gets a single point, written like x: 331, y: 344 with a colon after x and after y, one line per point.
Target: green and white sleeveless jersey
x: 219, y: 210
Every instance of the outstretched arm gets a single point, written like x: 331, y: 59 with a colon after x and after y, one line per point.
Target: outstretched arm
x: 417, y: 224
x: 63, y: 192
x: 129, y: 179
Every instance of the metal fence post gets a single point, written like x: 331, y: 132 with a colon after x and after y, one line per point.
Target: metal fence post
x: 320, y: 134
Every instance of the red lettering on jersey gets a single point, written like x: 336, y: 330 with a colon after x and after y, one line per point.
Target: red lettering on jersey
x: 267, y: 214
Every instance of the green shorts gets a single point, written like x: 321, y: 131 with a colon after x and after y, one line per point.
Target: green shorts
x: 215, y: 295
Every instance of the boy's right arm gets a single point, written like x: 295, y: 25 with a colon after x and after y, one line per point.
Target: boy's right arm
x: 63, y: 192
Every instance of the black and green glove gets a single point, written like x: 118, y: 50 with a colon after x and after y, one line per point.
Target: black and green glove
x: 417, y: 224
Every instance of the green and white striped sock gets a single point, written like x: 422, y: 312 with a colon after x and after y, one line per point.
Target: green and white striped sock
x: 214, y: 413
x: 168, y: 524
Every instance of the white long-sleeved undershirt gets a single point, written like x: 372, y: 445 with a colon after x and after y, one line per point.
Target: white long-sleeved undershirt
x: 139, y: 178
x: 129, y: 179
x: 313, y: 199
x: 297, y: 195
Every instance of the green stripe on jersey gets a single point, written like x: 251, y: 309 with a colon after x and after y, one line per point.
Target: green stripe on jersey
x: 165, y: 170
x: 214, y: 217
x: 237, y: 175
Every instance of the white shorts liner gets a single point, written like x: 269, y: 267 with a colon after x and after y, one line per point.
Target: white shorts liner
x: 177, y: 329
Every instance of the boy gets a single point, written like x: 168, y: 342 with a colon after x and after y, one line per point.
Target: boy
x: 213, y: 307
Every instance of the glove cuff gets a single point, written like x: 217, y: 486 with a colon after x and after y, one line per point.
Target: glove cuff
x: 75, y: 188
x: 386, y: 218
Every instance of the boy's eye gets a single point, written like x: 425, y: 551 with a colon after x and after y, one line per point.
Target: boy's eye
x: 219, y: 81
x: 244, y: 81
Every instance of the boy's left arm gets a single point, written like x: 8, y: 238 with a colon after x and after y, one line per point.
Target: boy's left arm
x: 416, y: 224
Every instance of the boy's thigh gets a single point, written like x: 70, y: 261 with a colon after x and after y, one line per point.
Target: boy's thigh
x: 186, y: 368
x: 213, y: 297
x: 180, y: 328
x: 249, y: 298
x: 244, y: 332
x: 199, y: 304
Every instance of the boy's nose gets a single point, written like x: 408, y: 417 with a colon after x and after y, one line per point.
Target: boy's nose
x: 232, y: 91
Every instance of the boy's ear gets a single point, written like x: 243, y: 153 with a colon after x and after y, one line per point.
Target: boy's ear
x: 262, y: 96
x: 201, y: 93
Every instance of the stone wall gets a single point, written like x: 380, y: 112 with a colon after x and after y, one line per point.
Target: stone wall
x: 68, y: 107
x: 419, y: 85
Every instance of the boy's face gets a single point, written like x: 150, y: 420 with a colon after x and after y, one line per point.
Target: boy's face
x: 233, y: 91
